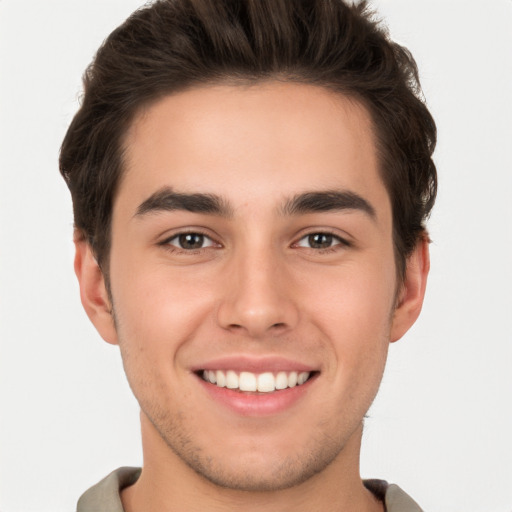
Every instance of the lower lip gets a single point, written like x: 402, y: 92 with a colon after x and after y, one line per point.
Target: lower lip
x: 258, y: 404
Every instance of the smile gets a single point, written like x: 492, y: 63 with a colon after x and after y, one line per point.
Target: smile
x: 266, y: 382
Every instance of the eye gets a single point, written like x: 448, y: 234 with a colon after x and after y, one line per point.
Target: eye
x: 320, y: 241
x: 190, y: 241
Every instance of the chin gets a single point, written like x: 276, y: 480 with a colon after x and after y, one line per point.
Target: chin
x: 268, y: 476
x: 258, y: 466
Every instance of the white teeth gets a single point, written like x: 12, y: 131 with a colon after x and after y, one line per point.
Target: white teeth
x: 231, y: 380
x: 247, y: 381
x: 265, y: 382
x: 220, y: 377
x: 281, y: 380
x: 303, y: 377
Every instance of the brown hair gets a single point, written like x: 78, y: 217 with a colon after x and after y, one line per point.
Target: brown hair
x: 172, y: 45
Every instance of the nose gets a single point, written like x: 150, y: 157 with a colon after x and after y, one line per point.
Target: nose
x: 258, y: 299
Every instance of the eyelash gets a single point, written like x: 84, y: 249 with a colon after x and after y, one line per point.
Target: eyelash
x: 332, y: 248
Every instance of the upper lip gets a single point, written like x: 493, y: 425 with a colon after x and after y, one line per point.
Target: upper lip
x: 254, y: 364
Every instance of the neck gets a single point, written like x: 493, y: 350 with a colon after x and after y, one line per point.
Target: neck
x: 167, y: 484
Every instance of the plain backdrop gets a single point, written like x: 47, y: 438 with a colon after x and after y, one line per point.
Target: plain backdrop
x: 441, y: 426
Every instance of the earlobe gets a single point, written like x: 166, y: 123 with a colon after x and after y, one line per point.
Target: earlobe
x: 93, y: 291
x: 410, y: 300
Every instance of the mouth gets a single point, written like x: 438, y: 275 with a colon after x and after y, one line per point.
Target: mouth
x: 257, y: 387
x: 265, y: 382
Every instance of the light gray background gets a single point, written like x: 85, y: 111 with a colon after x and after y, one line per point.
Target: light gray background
x: 441, y: 426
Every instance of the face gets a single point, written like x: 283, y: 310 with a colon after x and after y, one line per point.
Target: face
x: 253, y: 280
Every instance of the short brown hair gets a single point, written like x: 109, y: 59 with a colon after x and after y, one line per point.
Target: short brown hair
x: 172, y: 45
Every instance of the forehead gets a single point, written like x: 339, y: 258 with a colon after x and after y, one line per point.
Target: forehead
x: 267, y: 140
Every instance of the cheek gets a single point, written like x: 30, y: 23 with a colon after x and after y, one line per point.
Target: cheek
x: 156, y: 315
x: 354, y: 312
x: 356, y: 299
x: 158, y: 309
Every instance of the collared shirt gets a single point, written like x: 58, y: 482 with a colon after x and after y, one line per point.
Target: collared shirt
x: 105, y: 496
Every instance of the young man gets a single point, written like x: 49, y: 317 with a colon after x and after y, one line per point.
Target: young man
x: 250, y: 182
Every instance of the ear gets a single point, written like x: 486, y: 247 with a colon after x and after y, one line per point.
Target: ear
x: 410, y: 298
x: 93, y: 291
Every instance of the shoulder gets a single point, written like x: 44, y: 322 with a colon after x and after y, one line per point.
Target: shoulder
x: 398, y: 501
x: 105, y: 495
x: 395, y: 499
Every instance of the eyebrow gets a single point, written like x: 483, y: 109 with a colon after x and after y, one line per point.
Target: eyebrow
x: 168, y: 200
x: 329, y: 200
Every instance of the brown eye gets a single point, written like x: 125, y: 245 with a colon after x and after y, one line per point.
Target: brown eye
x: 190, y: 241
x: 320, y: 240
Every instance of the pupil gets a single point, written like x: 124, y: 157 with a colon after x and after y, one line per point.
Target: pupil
x: 191, y: 241
x: 320, y: 240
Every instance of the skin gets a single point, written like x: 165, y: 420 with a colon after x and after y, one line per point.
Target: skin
x: 256, y: 289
